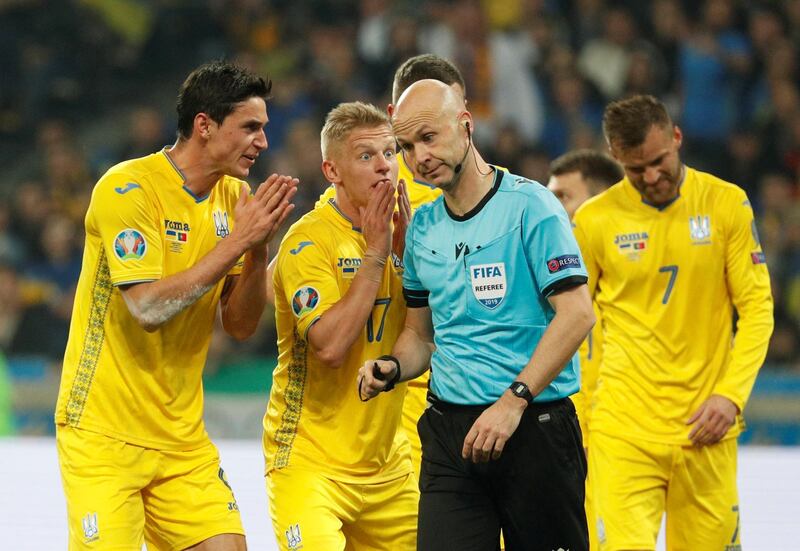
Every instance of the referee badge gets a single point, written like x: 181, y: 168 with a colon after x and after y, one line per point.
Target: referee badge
x: 489, y: 283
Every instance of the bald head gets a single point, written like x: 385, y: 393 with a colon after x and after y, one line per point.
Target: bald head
x: 433, y: 129
x: 426, y: 100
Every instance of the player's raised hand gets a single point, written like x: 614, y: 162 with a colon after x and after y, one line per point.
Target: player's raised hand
x: 401, y: 219
x: 376, y: 219
x: 491, y: 430
x: 712, y: 420
x: 258, y: 217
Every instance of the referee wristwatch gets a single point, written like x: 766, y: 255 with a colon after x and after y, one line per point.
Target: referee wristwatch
x: 521, y: 390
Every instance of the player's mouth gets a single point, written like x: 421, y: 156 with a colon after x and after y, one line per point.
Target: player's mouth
x: 251, y: 158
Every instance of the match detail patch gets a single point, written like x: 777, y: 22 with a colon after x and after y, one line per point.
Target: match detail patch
x: 563, y: 263
x: 305, y: 299
x: 130, y: 245
x: 758, y: 258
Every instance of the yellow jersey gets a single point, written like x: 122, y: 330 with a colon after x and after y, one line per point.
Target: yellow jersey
x: 314, y: 418
x: 666, y: 281
x: 419, y: 193
x: 117, y: 379
x: 590, y: 353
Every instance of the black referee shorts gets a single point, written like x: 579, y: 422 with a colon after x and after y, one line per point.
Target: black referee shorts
x: 534, y: 491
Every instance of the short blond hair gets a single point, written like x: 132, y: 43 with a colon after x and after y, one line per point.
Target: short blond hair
x: 346, y: 117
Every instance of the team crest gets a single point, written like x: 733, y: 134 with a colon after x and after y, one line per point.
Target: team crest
x: 489, y: 283
x: 700, y: 229
x: 305, y: 299
x: 90, y: 530
x: 130, y: 245
x: 221, y: 223
x: 294, y: 540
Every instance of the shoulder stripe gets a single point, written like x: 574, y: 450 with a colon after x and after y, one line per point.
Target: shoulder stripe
x: 92, y: 342
x: 293, y: 396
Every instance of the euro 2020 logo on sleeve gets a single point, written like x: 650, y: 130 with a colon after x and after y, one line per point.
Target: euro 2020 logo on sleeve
x: 305, y: 299
x: 130, y: 245
x: 489, y: 283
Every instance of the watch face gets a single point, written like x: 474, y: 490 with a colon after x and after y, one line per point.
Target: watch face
x: 521, y: 390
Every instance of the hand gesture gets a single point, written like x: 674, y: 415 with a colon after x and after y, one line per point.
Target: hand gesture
x: 712, y: 420
x: 260, y: 216
x: 401, y: 218
x: 373, y: 377
x: 376, y: 219
x: 490, y: 432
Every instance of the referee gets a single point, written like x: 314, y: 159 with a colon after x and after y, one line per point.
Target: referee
x: 498, y: 305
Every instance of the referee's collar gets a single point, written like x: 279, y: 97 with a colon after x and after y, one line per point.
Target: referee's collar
x: 498, y: 177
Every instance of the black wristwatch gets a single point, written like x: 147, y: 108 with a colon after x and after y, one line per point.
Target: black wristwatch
x: 521, y: 390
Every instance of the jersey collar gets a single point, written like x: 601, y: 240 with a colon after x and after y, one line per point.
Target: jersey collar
x: 498, y: 177
x: 182, y: 178
x: 634, y: 194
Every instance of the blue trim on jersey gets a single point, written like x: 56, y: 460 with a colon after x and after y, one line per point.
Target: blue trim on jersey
x: 343, y: 215
x: 197, y: 198
x: 484, y: 276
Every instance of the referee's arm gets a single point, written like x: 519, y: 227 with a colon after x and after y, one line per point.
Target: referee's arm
x: 413, y: 351
x: 574, y: 318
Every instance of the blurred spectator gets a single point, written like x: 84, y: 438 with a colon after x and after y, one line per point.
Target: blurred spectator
x: 32, y: 206
x: 572, y: 110
x: 537, y: 72
x: 712, y: 58
x: 11, y: 306
x: 605, y: 60
x: 146, y: 133
x: 57, y: 270
x: 12, y: 250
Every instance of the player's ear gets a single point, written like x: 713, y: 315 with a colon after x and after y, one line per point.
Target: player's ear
x: 331, y: 171
x: 677, y: 136
x: 202, y: 124
x: 390, y: 109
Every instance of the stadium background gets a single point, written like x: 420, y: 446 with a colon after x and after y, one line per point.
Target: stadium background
x: 87, y: 83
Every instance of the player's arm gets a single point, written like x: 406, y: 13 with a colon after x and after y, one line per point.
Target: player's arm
x: 269, y: 293
x: 412, y: 355
x: 332, y: 335
x: 574, y: 318
x: 154, y: 303
x: 748, y: 283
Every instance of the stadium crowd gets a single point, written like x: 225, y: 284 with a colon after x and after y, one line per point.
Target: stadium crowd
x: 538, y: 74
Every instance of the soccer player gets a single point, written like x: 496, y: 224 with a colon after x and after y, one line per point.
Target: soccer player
x: 671, y: 252
x: 493, y: 271
x: 575, y: 177
x: 165, y: 237
x: 338, y: 472
x: 419, y: 193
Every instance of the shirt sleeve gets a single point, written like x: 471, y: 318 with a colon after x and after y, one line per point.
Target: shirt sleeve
x: 309, y: 279
x: 587, y: 253
x: 129, y: 229
x: 749, y: 287
x: 553, y: 254
x: 415, y: 294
